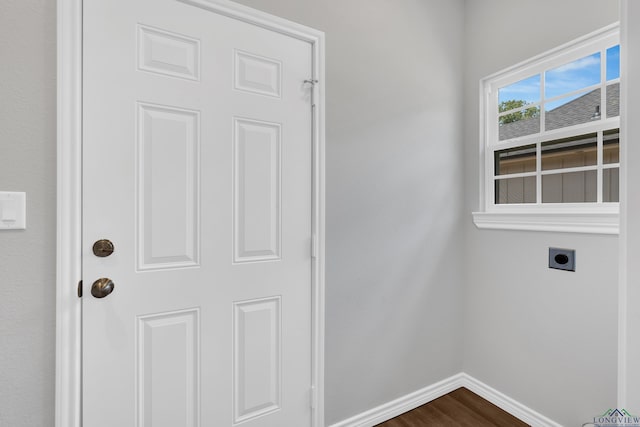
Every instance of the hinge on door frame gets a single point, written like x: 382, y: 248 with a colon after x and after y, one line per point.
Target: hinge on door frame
x: 314, y: 246
x: 312, y: 397
x: 80, y: 289
x: 313, y: 83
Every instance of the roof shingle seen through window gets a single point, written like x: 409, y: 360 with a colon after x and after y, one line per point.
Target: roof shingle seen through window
x: 580, y: 110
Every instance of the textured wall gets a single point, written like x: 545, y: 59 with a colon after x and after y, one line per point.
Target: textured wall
x: 27, y: 258
x: 544, y: 337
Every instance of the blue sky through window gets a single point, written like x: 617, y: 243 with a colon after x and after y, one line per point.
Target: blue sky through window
x: 573, y: 76
x: 613, y: 63
x: 527, y: 90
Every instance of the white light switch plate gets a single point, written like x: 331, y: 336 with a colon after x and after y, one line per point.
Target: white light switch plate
x: 13, y: 210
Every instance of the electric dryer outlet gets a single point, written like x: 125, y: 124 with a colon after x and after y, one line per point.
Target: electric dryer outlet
x: 562, y: 259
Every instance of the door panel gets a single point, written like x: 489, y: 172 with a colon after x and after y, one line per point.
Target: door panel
x: 168, y: 187
x: 257, y: 202
x: 257, y: 74
x: 197, y: 166
x: 257, y: 358
x: 168, y: 368
x: 168, y: 53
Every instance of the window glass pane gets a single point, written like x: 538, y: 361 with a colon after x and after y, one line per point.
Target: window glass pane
x: 571, y: 152
x: 515, y: 160
x: 519, y: 94
x: 613, y: 63
x: 573, y: 76
x: 613, y: 100
x: 519, y: 123
x: 573, y: 187
x: 611, y: 146
x: 573, y: 110
x: 516, y: 190
x: 611, y: 185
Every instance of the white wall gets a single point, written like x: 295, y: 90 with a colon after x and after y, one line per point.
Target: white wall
x: 546, y: 338
x: 27, y: 258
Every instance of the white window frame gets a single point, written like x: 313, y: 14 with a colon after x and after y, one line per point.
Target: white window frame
x: 600, y: 218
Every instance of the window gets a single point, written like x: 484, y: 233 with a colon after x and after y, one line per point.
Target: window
x: 550, y: 142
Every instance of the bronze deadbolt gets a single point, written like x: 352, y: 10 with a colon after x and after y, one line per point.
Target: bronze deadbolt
x: 103, y: 248
x: 102, y: 287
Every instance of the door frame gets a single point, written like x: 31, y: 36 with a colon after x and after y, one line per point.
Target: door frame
x: 68, y: 393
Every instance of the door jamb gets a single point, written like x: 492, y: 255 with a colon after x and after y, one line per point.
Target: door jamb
x: 68, y: 393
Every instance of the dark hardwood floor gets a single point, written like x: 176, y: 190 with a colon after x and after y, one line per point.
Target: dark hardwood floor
x: 460, y: 408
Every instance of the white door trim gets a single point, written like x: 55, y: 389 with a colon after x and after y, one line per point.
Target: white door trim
x: 69, y: 200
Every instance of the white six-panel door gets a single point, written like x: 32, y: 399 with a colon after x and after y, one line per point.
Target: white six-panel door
x: 197, y: 159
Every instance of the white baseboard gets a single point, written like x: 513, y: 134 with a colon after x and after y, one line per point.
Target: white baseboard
x: 403, y: 404
x: 501, y: 400
x: 411, y: 401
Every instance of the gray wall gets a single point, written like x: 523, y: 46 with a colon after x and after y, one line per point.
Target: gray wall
x: 631, y: 245
x: 398, y: 214
x: 393, y: 290
x: 27, y: 258
x: 546, y: 338
x: 393, y: 112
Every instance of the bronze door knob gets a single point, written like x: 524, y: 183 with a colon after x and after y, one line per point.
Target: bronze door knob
x: 102, y: 287
x: 103, y: 248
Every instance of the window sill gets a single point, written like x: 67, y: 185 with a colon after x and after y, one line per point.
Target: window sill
x: 566, y: 222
